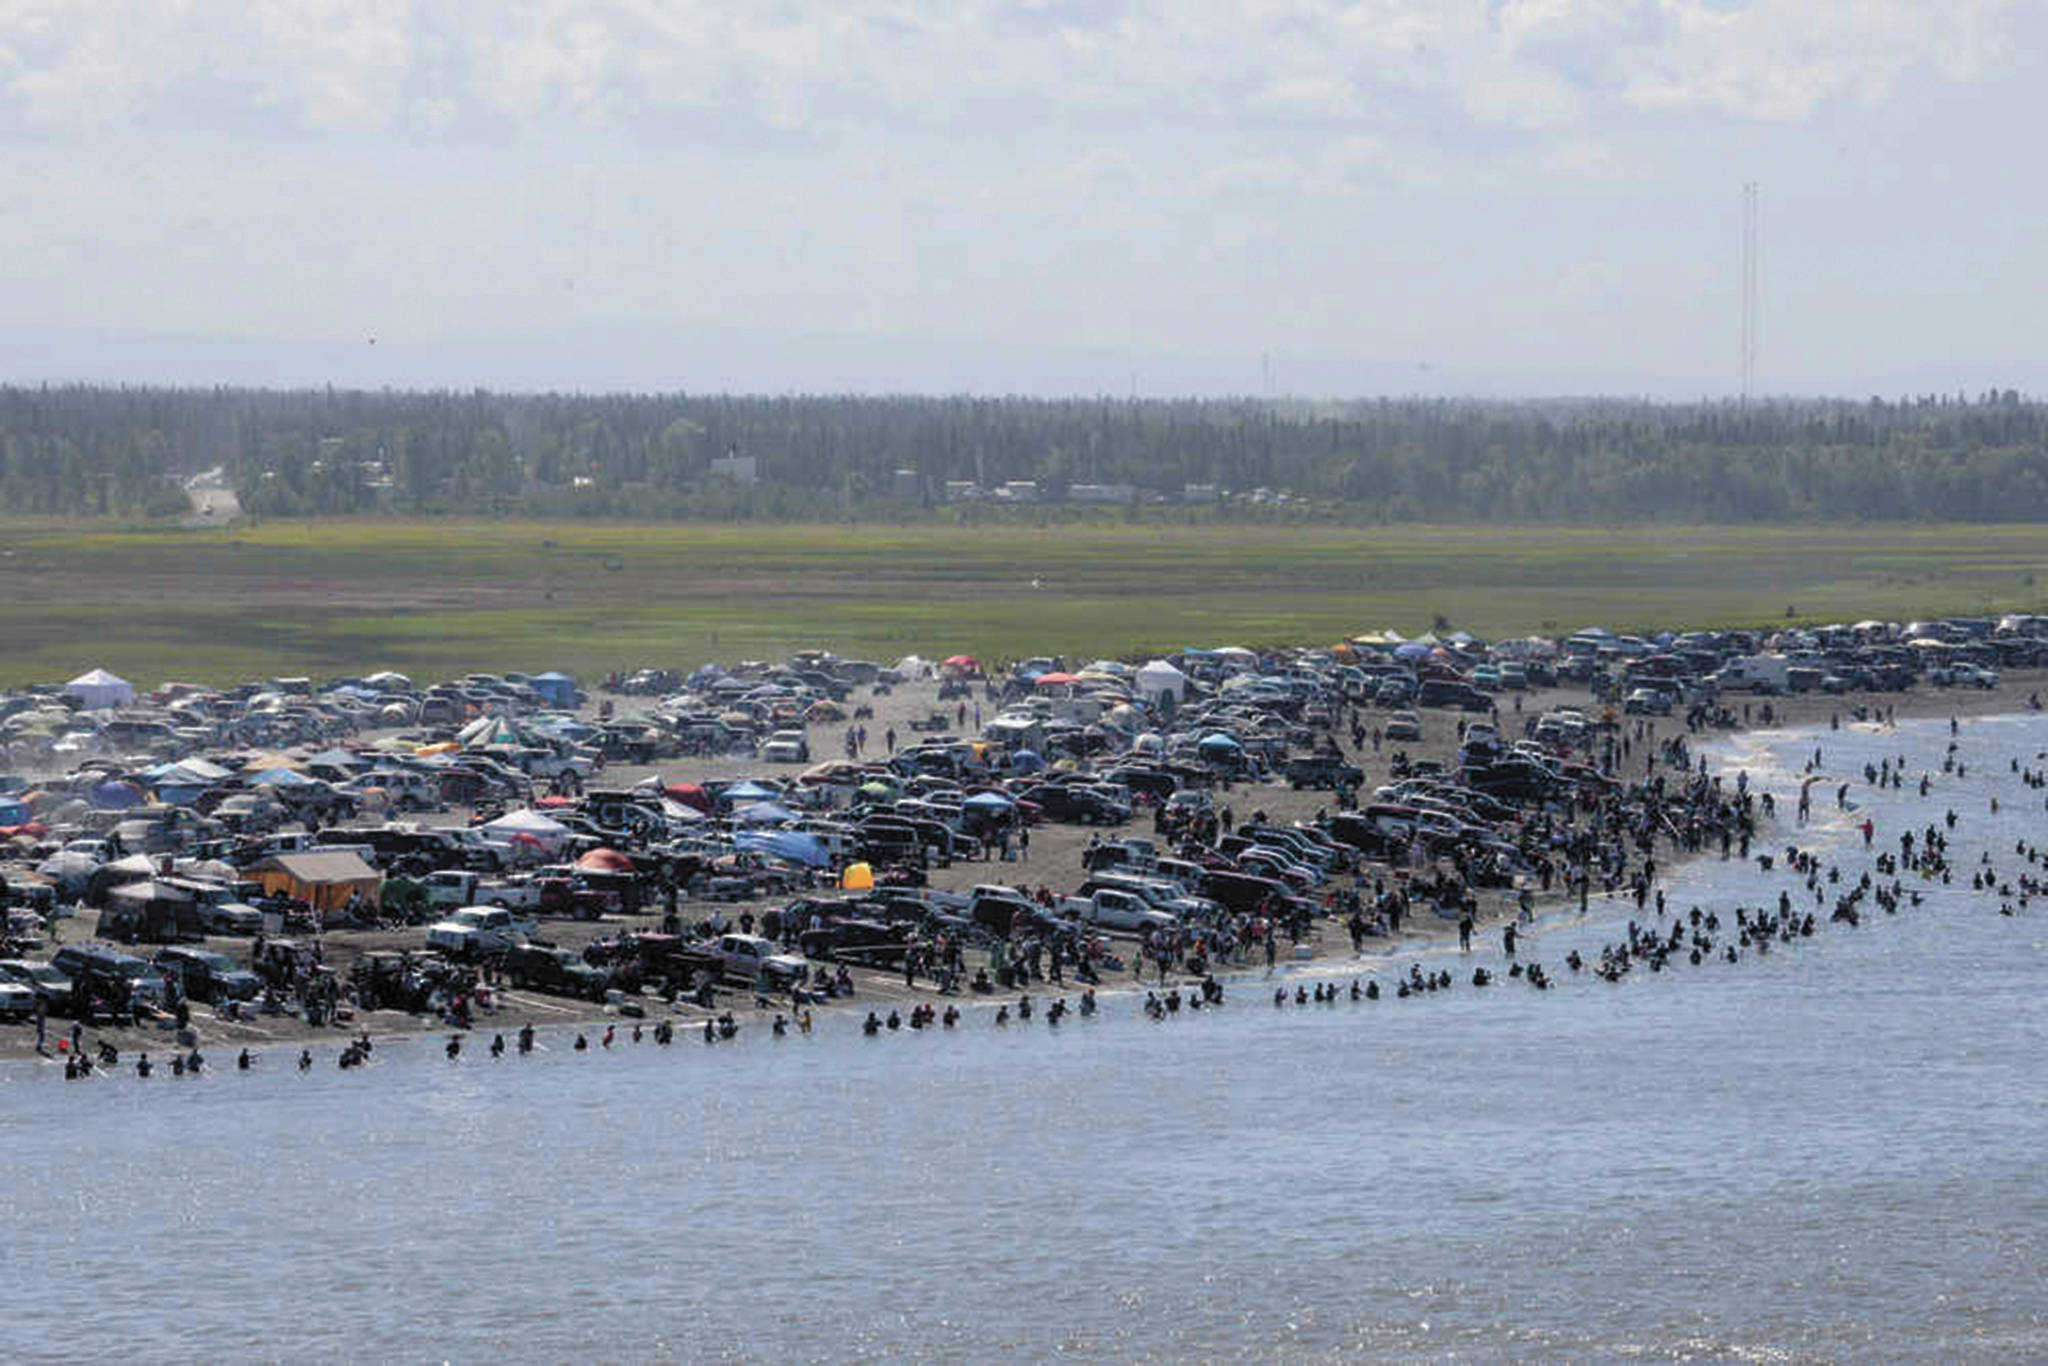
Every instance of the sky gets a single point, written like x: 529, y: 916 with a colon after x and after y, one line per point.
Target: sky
x: 1392, y: 197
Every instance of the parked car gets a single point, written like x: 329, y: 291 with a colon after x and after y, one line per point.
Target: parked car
x: 52, y: 986
x: 1404, y: 726
x: 231, y: 918
x: 786, y: 747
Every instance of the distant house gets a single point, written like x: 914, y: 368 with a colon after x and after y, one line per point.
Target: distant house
x: 739, y: 469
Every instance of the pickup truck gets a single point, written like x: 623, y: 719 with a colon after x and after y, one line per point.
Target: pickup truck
x: 1116, y: 910
x: 475, y: 931
x: 751, y: 958
x: 454, y: 887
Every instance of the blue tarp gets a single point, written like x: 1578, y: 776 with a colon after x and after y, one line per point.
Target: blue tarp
x: 764, y: 813
x: 115, y: 796
x: 793, y: 845
x: 280, y: 777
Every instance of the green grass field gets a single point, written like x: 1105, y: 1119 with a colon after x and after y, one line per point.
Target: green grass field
x: 436, y: 598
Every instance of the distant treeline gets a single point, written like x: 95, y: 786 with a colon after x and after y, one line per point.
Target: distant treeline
x: 81, y: 451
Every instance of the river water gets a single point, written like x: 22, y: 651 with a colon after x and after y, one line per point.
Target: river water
x: 1832, y: 1151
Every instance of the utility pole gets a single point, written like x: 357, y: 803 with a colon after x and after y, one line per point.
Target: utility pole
x: 1750, y: 248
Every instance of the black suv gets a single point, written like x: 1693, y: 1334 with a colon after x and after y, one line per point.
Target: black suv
x: 1323, y: 770
x: 204, y: 975
x: 558, y: 972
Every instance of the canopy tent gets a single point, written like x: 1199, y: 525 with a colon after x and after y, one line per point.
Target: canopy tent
x: 99, y: 690
x: 282, y: 777
x: 158, y: 912
x: 558, y: 689
x: 324, y: 880
x: 1160, y: 677
x: 528, y: 825
x: 987, y: 801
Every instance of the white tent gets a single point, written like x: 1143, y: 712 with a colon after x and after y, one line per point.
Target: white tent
x: 532, y: 824
x: 99, y: 689
x: 1161, y: 677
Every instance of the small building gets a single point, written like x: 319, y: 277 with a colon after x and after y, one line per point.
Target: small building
x: 738, y: 469
x: 1019, y: 491
x: 1121, y: 495
x: 962, y: 490
x: 1200, y: 493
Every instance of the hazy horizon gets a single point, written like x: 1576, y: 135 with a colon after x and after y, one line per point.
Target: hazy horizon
x: 1517, y: 199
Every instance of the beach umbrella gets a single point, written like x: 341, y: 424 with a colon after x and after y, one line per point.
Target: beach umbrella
x: 1027, y: 761
x: 1055, y: 679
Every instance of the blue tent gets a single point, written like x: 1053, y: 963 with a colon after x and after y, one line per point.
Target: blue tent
x: 1026, y: 761
x: 744, y: 793
x: 988, y: 801
x: 793, y: 845
x: 115, y: 795
x: 280, y: 777
x: 559, y: 689
x: 764, y: 813
x: 1218, y: 740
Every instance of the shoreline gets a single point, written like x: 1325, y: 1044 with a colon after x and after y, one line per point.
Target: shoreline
x: 1055, y: 850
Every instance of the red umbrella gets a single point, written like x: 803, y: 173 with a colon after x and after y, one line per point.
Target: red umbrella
x: 963, y: 662
x: 1056, y: 679
x: 605, y: 861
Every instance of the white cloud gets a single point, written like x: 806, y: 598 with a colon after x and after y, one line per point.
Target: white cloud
x: 837, y: 65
